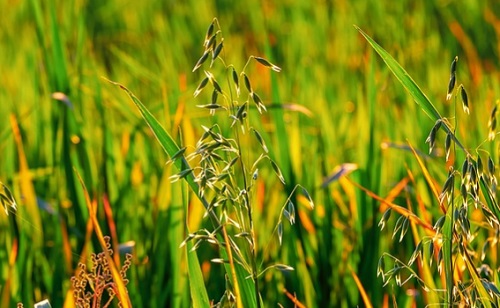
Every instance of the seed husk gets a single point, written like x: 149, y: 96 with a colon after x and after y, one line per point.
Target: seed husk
x: 255, y: 175
x: 473, y: 174
x: 439, y: 224
x: 381, y: 268
x: 385, y: 217
x: 256, y: 99
x: 261, y: 141
x: 202, y: 59
x: 483, y: 250
x: 236, y: 81
x: 211, y: 106
x: 180, y: 175
x: 465, y: 168
x: 280, y: 232
x: 480, y: 167
x: 398, y: 225
x: 277, y: 171
x: 447, y: 145
x: 240, y: 112
x: 492, y: 123
x: 451, y: 83
x: 491, y: 166
x: 308, y: 196
x: 215, y: 95
x: 216, y: 86
x: 439, y: 261
x: 447, y: 187
x: 187, y: 239
x: 217, y: 50
x: 287, y: 215
x: 231, y: 163
x: 463, y: 192
x: 209, y: 44
x: 492, y: 129
x: 178, y: 154
x: 453, y: 67
x: 404, y: 228
x: 268, y: 64
x: 219, y: 261
x: 431, y: 139
x: 247, y: 83
x: 283, y: 267
x: 210, y: 31
x: 415, y: 254
x: 451, y: 86
x: 465, y: 224
x: 200, y: 87
x: 465, y: 100
x: 291, y: 211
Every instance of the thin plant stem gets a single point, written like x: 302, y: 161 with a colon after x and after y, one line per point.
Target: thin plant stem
x: 237, y: 292
x: 253, y: 254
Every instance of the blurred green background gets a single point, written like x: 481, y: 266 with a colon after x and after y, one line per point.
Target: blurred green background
x: 358, y: 114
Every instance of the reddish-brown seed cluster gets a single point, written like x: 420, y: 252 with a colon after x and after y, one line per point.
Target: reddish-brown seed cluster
x: 95, y: 286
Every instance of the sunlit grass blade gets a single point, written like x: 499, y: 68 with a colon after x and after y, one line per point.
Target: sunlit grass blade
x: 166, y: 141
x: 199, y: 294
x: 399, y: 209
x: 427, y: 176
x: 294, y: 299
x: 197, y: 287
x: 362, y: 292
x: 411, y: 86
x: 171, y: 148
x: 405, y: 79
x: 484, y: 297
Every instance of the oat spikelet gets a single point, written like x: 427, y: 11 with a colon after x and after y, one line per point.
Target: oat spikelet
x: 451, y: 83
x: 492, y: 122
x: 465, y: 99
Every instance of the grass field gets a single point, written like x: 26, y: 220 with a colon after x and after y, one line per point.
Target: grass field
x: 82, y: 162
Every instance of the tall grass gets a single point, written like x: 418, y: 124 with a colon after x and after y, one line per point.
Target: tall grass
x: 334, y: 104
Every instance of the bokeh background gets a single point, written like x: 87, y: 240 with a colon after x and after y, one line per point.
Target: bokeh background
x: 353, y: 111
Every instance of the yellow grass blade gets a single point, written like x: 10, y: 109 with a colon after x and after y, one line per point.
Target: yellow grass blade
x: 121, y: 290
x: 428, y: 177
x: 399, y: 209
x: 362, y: 292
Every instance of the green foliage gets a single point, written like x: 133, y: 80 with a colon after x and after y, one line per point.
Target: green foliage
x: 333, y: 109
x: 455, y: 230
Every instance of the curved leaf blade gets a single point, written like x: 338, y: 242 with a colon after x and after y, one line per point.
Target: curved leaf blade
x: 405, y: 79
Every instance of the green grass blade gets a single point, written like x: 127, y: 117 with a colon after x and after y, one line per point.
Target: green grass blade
x: 412, y: 87
x: 60, y: 72
x: 171, y: 148
x: 197, y: 288
x: 431, y: 111
x: 196, y: 284
x: 166, y: 141
x: 405, y: 79
x: 484, y: 297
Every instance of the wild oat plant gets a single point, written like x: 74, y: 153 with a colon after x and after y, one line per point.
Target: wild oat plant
x: 226, y: 164
x: 462, y: 247
x: 94, y: 286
